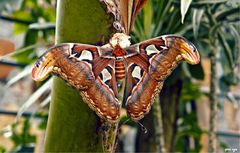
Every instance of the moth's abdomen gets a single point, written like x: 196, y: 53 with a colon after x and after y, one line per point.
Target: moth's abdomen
x: 120, y: 70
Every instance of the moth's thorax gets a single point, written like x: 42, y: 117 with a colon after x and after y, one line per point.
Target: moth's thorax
x: 118, y: 51
x: 121, y: 40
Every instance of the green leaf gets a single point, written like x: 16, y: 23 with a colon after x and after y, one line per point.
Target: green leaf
x: 41, y: 26
x: 210, y: 1
x: 164, y: 11
x: 147, y: 19
x: 185, y: 70
x: 49, y: 14
x: 31, y: 37
x: 13, y: 4
x: 43, y: 124
x: 184, y: 7
x: 2, y: 149
x: 221, y: 16
x: 196, y: 71
x: 223, y: 84
x: 23, y: 15
x: 226, y: 48
x: 190, y: 92
x: 26, y: 57
x: 176, y: 74
x: 236, y: 36
x: 139, y: 30
x: 196, y: 20
x: 230, y: 79
x: 178, y: 25
x: 31, y: 4
x: 226, y: 81
x: 19, y: 28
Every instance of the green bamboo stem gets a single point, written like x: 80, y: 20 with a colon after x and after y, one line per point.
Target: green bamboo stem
x: 72, y: 126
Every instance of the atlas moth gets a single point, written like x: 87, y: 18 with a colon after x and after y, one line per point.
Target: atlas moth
x: 98, y: 71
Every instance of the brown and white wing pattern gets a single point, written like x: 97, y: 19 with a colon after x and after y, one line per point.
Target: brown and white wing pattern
x: 147, y: 70
x: 88, y: 68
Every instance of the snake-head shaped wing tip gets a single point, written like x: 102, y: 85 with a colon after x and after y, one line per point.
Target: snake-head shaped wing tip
x: 187, y: 50
x: 40, y: 74
x: 47, y: 63
x: 190, y: 53
x: 43, y: 66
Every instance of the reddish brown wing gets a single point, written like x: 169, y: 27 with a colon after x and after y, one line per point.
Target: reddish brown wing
x: 147, y: 70
x: 141, y: 86
x: 89, y: 69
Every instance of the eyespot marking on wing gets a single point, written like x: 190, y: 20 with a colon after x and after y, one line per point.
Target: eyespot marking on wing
x: 136, y: 73
x: 151, y: 49
x: 106, y: 75
x: 86, y: 55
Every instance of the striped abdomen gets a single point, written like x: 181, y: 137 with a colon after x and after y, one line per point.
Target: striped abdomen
x: 120, y: 69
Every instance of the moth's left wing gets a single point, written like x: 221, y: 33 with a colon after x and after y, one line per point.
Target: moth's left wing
x: 89, y: 69
x: 148, y: 65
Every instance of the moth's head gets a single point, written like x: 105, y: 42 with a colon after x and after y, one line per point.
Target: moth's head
x: 121, y: 40
x: 187, y: 50
x: 43, y: 66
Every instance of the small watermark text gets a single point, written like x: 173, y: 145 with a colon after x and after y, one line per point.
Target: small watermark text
x: 231, y: 150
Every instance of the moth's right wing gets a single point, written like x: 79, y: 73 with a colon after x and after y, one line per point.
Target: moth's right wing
x: 146, y: 71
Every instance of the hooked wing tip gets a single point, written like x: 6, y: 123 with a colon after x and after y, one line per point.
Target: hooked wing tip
x: 191, y: 57
x: 41, y: 73
x: 43, y: 67
x: 187, y: 50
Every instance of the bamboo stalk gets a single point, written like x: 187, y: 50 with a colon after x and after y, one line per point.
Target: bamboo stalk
x: 72, y: 126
